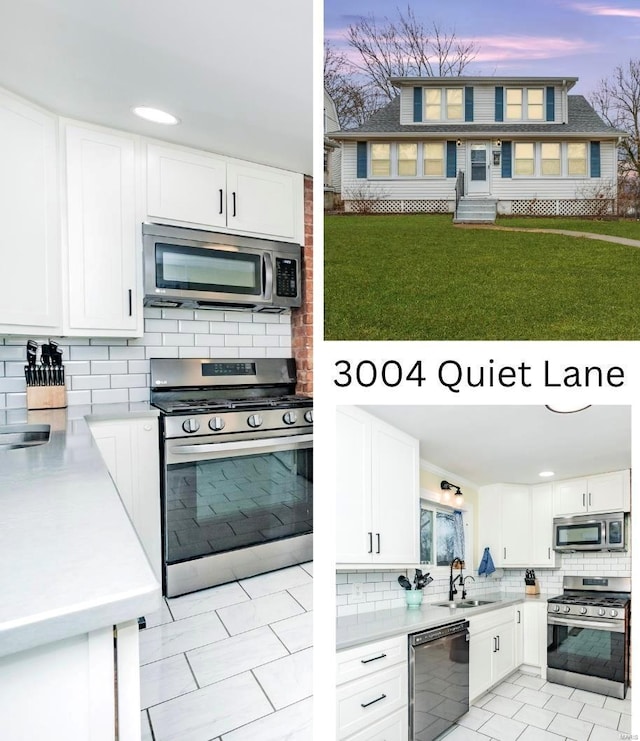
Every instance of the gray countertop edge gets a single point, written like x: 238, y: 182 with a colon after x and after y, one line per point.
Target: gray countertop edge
x: 356, y: 630
x: 72, y: 561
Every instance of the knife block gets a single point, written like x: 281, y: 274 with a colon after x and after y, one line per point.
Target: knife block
x: 46, y: 397
x: 533, y: 589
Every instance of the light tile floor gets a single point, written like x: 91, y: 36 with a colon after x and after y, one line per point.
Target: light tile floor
x: 231, y: 663
x: 527, y: 708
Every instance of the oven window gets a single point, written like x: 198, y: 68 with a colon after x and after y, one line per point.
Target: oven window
x: 200, y: 269
x: 228, y: 503
x: 579, y: 534
x: 597, y: 653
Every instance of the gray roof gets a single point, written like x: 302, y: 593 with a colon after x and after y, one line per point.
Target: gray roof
x: 582, y: 120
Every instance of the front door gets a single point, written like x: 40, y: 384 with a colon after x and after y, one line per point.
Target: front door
x: 478, y: 169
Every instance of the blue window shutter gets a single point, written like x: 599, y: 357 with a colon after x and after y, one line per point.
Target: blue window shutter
x: 451, y: 159
x: 595, y: 159
x: 417, y: 104
x: 468, y: 104
x: 551, y: 104
x: 506, y: 159
x: 499, y: 104
x: 362, y: 160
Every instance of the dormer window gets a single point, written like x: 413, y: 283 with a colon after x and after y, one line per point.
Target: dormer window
x: 524, y: 104
x: 443, y: 104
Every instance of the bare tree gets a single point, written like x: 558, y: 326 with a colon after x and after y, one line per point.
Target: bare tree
x: 360, y: 83
x: 617, y: 100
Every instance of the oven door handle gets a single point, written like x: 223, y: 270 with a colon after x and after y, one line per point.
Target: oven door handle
x: 289, y: 442
x: 610, y: 627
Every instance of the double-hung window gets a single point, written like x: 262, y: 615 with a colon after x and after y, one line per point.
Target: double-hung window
x: 380, y: 160
x: 444, y: 104
x: 454, y: 104
x: 433, y: 163
x: 524, y: 104
x: 535, y: 104
x: 514, y: 104
x: 433, y: 104
x: 550, y: 162
x: 577, y: 158
x: 407, y: 159
x: 524, y: 158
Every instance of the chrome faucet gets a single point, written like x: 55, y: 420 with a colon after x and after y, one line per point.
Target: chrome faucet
x: 464, y: 588
x: 452, y: 580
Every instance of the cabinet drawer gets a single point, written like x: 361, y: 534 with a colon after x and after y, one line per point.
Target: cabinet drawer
x: 370, y: 699
x: 353, y: 663
x: 394, y: 727
x: 489, y: 620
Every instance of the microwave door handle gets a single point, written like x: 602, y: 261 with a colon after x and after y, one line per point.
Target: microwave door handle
x: 605, y: 534
x: 267, y: 276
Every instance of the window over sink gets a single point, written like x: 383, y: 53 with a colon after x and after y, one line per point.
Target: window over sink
x: 441, y: 535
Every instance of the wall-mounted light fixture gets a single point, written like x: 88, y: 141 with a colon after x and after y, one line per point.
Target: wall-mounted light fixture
x: 459, y: 143
x: 458, y: 499
x: 498, y: 142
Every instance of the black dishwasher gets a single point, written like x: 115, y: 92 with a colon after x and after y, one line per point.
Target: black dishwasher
x: 438, y: 679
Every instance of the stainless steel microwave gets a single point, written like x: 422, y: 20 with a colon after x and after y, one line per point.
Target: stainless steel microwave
x: 199, y: 270
x: 596, y: 532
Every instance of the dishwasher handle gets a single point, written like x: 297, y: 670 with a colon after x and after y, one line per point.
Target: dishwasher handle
x: 443, y: 631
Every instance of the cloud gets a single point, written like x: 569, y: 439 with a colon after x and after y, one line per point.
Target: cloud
x: 509, y: 48
x: 607, y: 10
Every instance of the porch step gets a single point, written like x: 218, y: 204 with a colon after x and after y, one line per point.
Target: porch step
x: 475, y: 210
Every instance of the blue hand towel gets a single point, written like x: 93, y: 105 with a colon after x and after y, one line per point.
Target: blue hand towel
x: 486, y: 564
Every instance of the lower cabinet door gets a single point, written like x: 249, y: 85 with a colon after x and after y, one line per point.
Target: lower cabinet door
x: 365, y: 701
x: 481, y: 651
x: 392, y: 728
x: 504, y: 659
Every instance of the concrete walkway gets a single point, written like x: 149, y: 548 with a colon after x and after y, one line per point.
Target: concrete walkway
x: 566, y: 232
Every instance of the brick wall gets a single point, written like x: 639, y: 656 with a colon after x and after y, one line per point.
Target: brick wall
x: 302, y: 318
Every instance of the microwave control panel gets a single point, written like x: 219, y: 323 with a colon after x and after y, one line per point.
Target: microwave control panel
x: 286, y: 277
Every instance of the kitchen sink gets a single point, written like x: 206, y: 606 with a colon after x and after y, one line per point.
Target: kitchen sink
x: 14, y: 437
x: 466, y: 603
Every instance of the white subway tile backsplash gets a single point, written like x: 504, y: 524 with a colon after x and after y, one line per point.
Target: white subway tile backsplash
x: 106, y: 370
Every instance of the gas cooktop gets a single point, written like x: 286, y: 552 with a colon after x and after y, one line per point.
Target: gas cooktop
x: 196, y: 406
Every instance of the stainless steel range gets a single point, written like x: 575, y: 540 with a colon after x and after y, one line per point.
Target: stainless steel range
x: 588, y: 634
x: 237, y: 469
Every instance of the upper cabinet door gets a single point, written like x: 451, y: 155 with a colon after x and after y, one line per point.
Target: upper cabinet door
x: 263, y: 200
x: 30, y: 247
x: 609, y: 492
x: 542, y: 553
x: 570, y: 497
x: 186, y: 187
x: 516, y: 526
x: 103, y: 234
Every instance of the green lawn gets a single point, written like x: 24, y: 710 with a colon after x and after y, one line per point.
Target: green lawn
x: 628, y: 228
x: 420, y: 278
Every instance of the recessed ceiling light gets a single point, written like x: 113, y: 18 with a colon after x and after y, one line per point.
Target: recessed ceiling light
x: 546, y: 474
x: 155, y: 115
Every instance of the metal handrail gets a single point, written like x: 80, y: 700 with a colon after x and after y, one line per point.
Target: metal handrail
x: 459, y: 188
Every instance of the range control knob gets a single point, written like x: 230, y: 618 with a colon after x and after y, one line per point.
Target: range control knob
x: 216, y: 424
x: 309, y: 416
x: 289, y: 418
x: 602, y: 612
x: 191, y: 425
x: 614, y: 613
x: 566, y: 608
x: 255, y: 420
x: 556, y: 608
x: 583, y: 610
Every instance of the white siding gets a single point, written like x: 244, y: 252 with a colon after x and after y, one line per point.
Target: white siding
x: 406, y: 105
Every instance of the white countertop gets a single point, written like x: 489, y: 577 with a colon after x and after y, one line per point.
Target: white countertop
x: 71, y: 560
x: 354, y: 630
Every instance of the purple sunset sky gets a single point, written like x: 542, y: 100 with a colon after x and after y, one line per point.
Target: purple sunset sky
x: 578, y: 39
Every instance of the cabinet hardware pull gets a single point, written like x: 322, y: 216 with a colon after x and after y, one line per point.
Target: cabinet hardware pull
x: 584, y: 497
x: 494, y: 644
x: 233, y: 195
x: 589, y: 498
x: 370, y: 543
x: 220, y: 200
x: 498, y: 639
x: 130, y: 302
x: 505, y: 552
x: 375, y: 658
x: 518, y: 611
x: 366, y: 704
x: 549, y: 553
x: 378, y: 536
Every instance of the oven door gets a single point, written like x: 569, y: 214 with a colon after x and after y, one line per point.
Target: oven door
x: 222, y: 497
x: 587, y: 653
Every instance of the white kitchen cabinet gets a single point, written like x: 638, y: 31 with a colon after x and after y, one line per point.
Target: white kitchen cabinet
x: 207, y: 191
x: 516, y: 522
x: 74, y: 688
x: 607, y: 492
x: 519, y: 616
x: 372, y: 692
x: 377, y: 491
x: 130, y: 449
x: 492, y: 649
x: 103, y: 245
x: 29, y: 211
x: 535, y: 635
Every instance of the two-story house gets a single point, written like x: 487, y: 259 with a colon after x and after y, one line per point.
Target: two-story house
x: 517, y: 145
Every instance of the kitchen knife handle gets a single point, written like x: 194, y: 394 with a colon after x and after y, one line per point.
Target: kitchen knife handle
x: 130, y: 302
x: 220, y: 200
x: 370, y: 543
x: 378, y: 536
